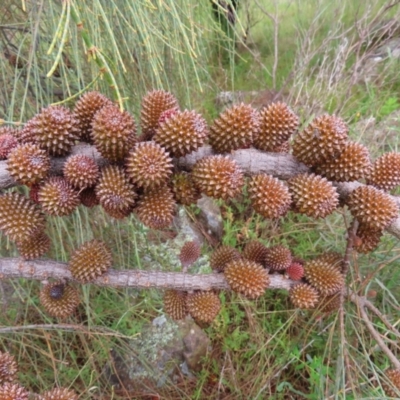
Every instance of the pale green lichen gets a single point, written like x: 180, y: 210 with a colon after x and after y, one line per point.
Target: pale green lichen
x: 158, y: 351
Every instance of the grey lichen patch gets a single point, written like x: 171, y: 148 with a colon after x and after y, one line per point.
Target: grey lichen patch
x: 156, y: 352
x: 160, y: 351
x: 164, y: 255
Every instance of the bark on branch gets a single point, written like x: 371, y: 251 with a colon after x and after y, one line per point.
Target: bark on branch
x: 251, y: 161
x: 44, y: 269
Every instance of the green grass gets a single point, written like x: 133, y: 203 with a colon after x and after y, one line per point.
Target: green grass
x: 307, y: 54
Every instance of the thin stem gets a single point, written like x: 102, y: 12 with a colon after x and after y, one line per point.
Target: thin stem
x: 95, y: 55
x: 62, y: 41
x: 351, y: 236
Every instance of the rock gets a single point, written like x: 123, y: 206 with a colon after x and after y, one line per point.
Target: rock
x: 370, y: 70
x: 164, y: 350
x: 257, y: 98
x: 210, y: 217
x: 383, y: 30
x: 196, y: 344
x: 186, y: 227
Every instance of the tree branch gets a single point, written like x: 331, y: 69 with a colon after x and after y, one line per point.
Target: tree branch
x: 251, y: 161
x: 44, y: 269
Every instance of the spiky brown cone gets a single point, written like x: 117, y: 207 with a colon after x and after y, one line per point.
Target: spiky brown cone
x: 156, y: 209
x: 88, y: 197
x: 218, y: 177
x: 58, y: 299
x: 352, y: 163
x: 81, y: 171
x: 247, y: 277
x: 28, y: 132
x: 328, y: 304
x: 54, y: 130
x: 148, y: 165
x: 182, y: 133
x: 189, y: 253
x: 185, y: 192
x: 28, y: 164
x: 57, y: 197
x: 153, y: 105
x: 332, y: 258
x: 59, y: 394
x: 295, y: 271
x: 278, y: 258
x: 277, y: 123
x: 34, y: 247
x: 255, y: 251
x: 85, y: 109
x: 114, y: 190
x: 392, y: 389
x: 90, y: 260
x: 372, y: 207
x: 222, y: 256
x: 175, y: 304
x: 303, y: 296
x: 313, y: 195
x: 203, y: 306
x: 324, y: 276
x: 113, y: 133
x: 20, y: 218
x: 325, y: 137
x: 385, y: 172
x: 10, y: 391
x: 234, y: 129
x: 7, y: 141
x: 8, y: 368
x: 269, y: 196
x: 367, y: 240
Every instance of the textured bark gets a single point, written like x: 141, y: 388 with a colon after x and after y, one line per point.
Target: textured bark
x: 44, y: 269
x: 252, y: 161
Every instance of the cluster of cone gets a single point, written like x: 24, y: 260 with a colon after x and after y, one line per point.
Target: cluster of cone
x: 248, y: 273
x: 10, y: 389
x: 91, y: 260
x: 202, y: 306
x: 140, y: 176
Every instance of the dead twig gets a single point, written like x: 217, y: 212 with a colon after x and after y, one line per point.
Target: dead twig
x: 361, y: 304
